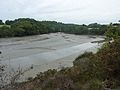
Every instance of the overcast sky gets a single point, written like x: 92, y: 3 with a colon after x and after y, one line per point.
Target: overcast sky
x: 67, y: 11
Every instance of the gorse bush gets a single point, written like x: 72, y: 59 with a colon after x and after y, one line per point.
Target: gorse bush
x: 109, y: 58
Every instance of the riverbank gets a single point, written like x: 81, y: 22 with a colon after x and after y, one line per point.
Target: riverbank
x: 43, y: 52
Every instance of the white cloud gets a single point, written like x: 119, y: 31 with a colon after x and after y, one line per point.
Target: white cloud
x: 69, y: 11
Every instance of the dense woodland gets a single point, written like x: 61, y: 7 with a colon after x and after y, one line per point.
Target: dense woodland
x: 25, y: 26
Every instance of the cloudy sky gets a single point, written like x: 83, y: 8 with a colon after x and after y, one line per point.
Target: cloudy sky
x: 67, y: 11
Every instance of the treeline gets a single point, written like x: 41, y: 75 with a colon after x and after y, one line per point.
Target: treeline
x: 26, y: 26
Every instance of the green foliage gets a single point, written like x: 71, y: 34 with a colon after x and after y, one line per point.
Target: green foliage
x: 27, y: 26
x: 9, y: 22
x: 95, y: 85
x: 109, y: 58
x: 1, y: 22
x: 4, y: 32
x: 84, y: 55
x: 113, y: 31
x: 96, y: 29
x: 17, y: 32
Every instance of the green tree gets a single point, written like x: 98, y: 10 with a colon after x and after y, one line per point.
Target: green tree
x: 1, y: 22
x: 113, y: 31
x: 9, y: 22
x: 4, y: 32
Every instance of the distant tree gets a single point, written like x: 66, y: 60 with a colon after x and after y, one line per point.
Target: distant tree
x: 9, y: 22
x: 28, y: 26
x: 1, y: 22
x: 94, y: 25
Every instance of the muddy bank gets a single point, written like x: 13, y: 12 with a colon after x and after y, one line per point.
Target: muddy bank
x: 43, y: 52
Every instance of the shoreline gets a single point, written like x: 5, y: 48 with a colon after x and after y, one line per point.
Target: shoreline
x: 57, y: 51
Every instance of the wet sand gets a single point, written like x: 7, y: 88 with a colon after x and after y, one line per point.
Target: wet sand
x: 48, y: 51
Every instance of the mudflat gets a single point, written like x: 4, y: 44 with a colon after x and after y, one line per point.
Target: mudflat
x: 43, y: 52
